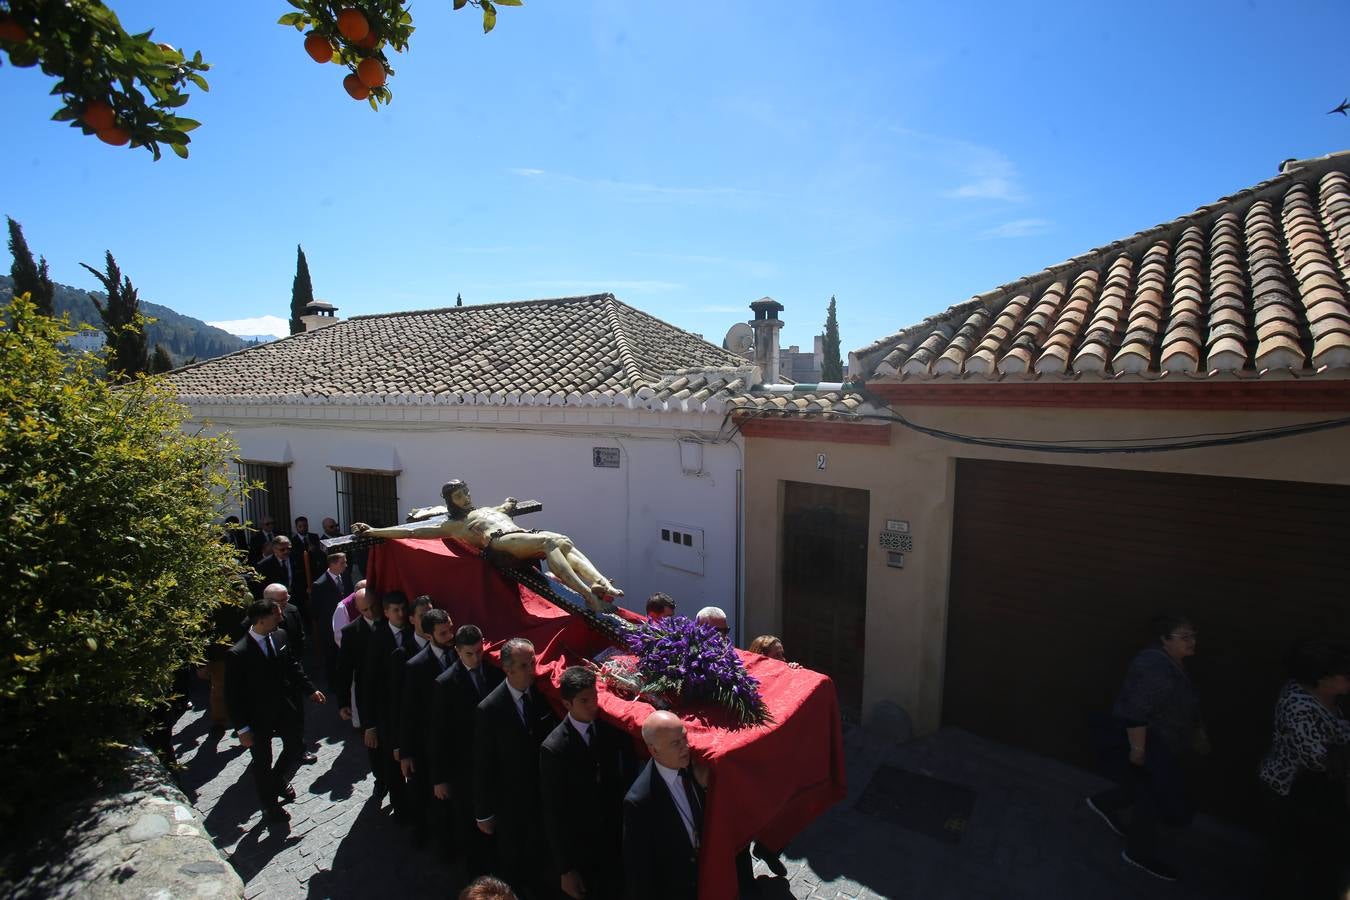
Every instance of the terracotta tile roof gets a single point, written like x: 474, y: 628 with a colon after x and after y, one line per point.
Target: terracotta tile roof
x: 1255, y: 283
x: 828, y: 404
x: 589, y: 351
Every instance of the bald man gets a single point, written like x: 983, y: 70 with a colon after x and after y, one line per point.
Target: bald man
x: 663, y: 817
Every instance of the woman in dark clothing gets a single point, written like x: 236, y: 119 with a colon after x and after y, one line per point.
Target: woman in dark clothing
x: 1306, y: 786
x: 1151, y: 738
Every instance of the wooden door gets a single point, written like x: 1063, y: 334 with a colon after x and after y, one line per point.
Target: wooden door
x: 824, y: 584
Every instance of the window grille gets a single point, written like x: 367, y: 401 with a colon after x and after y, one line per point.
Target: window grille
x: 270, y: 497
x: 368, y: 497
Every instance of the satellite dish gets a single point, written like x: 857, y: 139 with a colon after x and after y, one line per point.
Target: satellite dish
x: 740, y: 338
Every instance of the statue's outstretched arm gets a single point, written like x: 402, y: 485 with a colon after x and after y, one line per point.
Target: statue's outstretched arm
x: 430, y: 530
x: 509, y: 506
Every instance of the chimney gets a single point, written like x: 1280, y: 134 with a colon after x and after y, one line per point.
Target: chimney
x: 319, y: 314
x: 766, y: 326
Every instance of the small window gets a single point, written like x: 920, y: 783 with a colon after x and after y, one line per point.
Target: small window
x: 688, y: 540
x: 665, y: 534
x: 270, y: 497
x: 370, y: 497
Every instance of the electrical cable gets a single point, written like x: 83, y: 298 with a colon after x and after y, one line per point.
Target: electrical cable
x: 1088, y: 446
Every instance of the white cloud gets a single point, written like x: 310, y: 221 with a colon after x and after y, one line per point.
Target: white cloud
x: 981, y: 173
x: 1018, y: 228
x: 256, y: 325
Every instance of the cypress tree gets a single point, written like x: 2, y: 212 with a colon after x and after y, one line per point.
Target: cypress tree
x: 123, y: 324
x: 459, y: 299
x: 161, y: 362
x: 831, y: 366
x: 302, y: 291
x: 29, y: 277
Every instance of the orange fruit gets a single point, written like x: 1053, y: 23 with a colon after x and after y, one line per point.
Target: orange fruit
x: 318, y: 47
x: 368, y: 42
x: 371, y: 72
x: 11, y: 30
x: 354, y: 87
x: 114, y: 135
x: 353, y: 25
x: 98, y: 115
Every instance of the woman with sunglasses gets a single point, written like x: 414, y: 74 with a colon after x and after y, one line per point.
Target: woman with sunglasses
x: 1152, y: 737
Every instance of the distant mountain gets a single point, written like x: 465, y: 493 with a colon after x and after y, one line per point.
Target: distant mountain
x: 259, y: 329
x: 183, y: 336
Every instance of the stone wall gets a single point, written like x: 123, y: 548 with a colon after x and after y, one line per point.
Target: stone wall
x: 137, y: 836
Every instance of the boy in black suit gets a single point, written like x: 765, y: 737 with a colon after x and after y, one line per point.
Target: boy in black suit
x: 263, y: 684
x: 585, y: 768
x: 454, y: 699
x: 511, y: 723
x: 390, y: 634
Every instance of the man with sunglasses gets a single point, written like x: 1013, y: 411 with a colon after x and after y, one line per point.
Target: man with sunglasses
x: 277, y: 567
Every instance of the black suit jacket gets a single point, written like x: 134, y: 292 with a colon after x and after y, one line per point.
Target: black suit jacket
x: 273, y: 571
x: 419, y: 675
x: 308, y: 547
x: 351, y: 667
x: 264, y: 693
x: 257, y: 544
x: 581, y: 790
x: 373, y: 696
x: 391, y: 704
x: 324, y: 596
x: 659, y: 862
x: 454, y: 700
x: 506, y: 770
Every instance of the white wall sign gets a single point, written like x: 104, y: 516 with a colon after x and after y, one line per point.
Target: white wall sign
x: 899, y: 525
x: 605, y: 457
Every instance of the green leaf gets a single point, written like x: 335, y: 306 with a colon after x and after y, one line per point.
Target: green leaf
x: 65, y: 114
x: 173, y: 101
x: 181, y: 150
x: 459, y: 4
x: 199, y: 81
x: 509, y: 2
x: 291, y: 19
x: 185, y: 125
x: 489, y: 17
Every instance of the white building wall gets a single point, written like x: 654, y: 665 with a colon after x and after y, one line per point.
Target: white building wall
x: 614, y: 515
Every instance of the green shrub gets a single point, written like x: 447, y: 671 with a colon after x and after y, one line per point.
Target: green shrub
x: 111, y: 565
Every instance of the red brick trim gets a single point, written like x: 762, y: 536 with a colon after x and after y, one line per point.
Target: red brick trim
x: 792, y: 428
x: 1295, y: 396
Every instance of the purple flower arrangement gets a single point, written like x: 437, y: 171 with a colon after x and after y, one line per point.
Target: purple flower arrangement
x: 678, y: 657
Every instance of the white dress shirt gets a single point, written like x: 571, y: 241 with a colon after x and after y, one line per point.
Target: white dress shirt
x: 583, y: 728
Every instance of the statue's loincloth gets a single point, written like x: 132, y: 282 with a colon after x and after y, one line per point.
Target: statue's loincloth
x: 501, y: 557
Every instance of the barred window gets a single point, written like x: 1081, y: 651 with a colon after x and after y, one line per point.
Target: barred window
x: 370, y: 497
x: 270, y: 497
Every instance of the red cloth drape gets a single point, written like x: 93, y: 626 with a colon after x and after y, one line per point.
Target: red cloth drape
x: 767, y: 783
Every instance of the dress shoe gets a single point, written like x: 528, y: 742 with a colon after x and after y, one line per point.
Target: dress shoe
x: 276, y: 814
x: 381, y: 791
x: 287, y: 794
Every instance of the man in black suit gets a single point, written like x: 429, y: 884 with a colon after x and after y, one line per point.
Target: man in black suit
x: 263, y: 684
x: 276, y: 566
x: 261, y: 540
x: 390, y: 634
x: 663, y: 817
x: 353, y: 671
x: 325, y: 594
x: 409, y: 809
x: 455, y: 697
x: 309, y: 555
x: 512, y: 722
x: 419, y: 677
x: 585, y: 768
x: 291, y: 623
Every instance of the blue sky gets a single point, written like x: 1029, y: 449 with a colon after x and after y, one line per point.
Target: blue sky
x: 691, y: 158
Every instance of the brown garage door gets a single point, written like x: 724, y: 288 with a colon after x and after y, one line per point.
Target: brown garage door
x: 1056, y: 569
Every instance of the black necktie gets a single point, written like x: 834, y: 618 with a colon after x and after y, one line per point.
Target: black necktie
x: 525, y: 708
x: 271, y: 651
x: 476, y: 676
x: 695, y: 805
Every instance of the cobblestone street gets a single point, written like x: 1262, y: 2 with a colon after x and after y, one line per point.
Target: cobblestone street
x: 1028, y: 833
